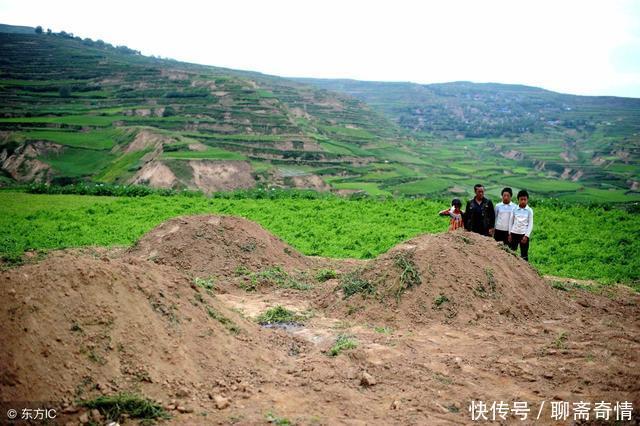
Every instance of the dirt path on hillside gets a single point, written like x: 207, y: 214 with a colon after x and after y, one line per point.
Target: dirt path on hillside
x: 437, y: 322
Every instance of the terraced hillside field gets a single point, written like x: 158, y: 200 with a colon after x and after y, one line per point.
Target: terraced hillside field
x: 78, y: 109
x: 81, y: 110
x: 577, y: 147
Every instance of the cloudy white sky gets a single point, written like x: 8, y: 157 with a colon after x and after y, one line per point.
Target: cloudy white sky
x: 581, y: 47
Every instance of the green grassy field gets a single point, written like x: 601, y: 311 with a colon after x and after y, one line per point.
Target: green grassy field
x: 121, y: 167
x: 78, y: 161
x: 77, y: 120
x: 568, y: 240
x: 96, y: 139
x: 211, y: 153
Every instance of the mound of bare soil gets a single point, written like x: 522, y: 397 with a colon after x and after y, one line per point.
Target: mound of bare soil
x: 453, y: 277
x: 215, y: 246
x: 80, y: 324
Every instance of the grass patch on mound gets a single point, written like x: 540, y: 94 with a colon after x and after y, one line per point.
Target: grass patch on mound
x: 326, y: 274
x: 466, y: 240
x: 271, y: 276
x: 491, y: 279
x: 352, y: 283
x: 409, y: 275
x: 559, y: 285
x: 273, y: 418
x: 343, y: 342
x: 226, y: 322
x: 488, y: 288
x: 241, y: 271
x: 439, y: 301
x: 595, y: 287
x: 508, y: 249
x: 135, y: 406
x: 204, y: 283
x: 383, y: 329
x: 280, y: 315
x: 561, y: 341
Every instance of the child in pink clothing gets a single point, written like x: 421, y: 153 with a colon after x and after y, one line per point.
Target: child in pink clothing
x: 455, y: 214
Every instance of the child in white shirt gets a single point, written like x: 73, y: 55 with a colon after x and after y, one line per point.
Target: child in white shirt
x: 521, y: 225
x: 503, y: 216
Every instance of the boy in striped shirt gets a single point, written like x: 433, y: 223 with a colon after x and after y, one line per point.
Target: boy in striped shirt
x: 521, y: 225
x: 503, y: 215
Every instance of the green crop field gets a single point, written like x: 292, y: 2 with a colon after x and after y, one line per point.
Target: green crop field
x: 568, y: 240
x: 122, y: 166
x: 210, y: 153
x: 78, y: 161
x: 96, y: 139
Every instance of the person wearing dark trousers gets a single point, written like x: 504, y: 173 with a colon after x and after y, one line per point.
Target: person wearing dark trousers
x: 521, y: 225
x: 479, y: 214
x: 503, y: 216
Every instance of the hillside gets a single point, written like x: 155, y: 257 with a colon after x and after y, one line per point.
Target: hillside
x: 80, y: 109
x: 585, y: 141
x: 76, y: 109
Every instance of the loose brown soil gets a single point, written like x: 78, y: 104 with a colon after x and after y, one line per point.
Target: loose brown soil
x: 442, y: 320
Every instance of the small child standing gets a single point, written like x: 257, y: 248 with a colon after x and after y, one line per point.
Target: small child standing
x: 455, y: 214
x: 521, y: 225
x: 503, y: 215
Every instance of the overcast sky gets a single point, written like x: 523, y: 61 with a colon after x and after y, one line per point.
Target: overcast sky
x: 581, y: 47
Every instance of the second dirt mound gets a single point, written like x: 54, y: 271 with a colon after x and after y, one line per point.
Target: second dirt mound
x: 215, y: 245
x: 453, y: 277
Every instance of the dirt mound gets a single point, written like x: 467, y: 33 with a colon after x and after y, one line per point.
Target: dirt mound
x: 452, y: 277
x: 216, y: 246
x: 75, y: 325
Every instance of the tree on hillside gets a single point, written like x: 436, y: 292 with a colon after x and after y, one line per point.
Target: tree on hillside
x: 169, y: 111
x: 38, y: 29
x: 127, y: 51
x: 64, y: 91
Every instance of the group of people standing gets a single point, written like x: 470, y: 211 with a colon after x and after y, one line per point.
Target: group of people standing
x: 507, y: 222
